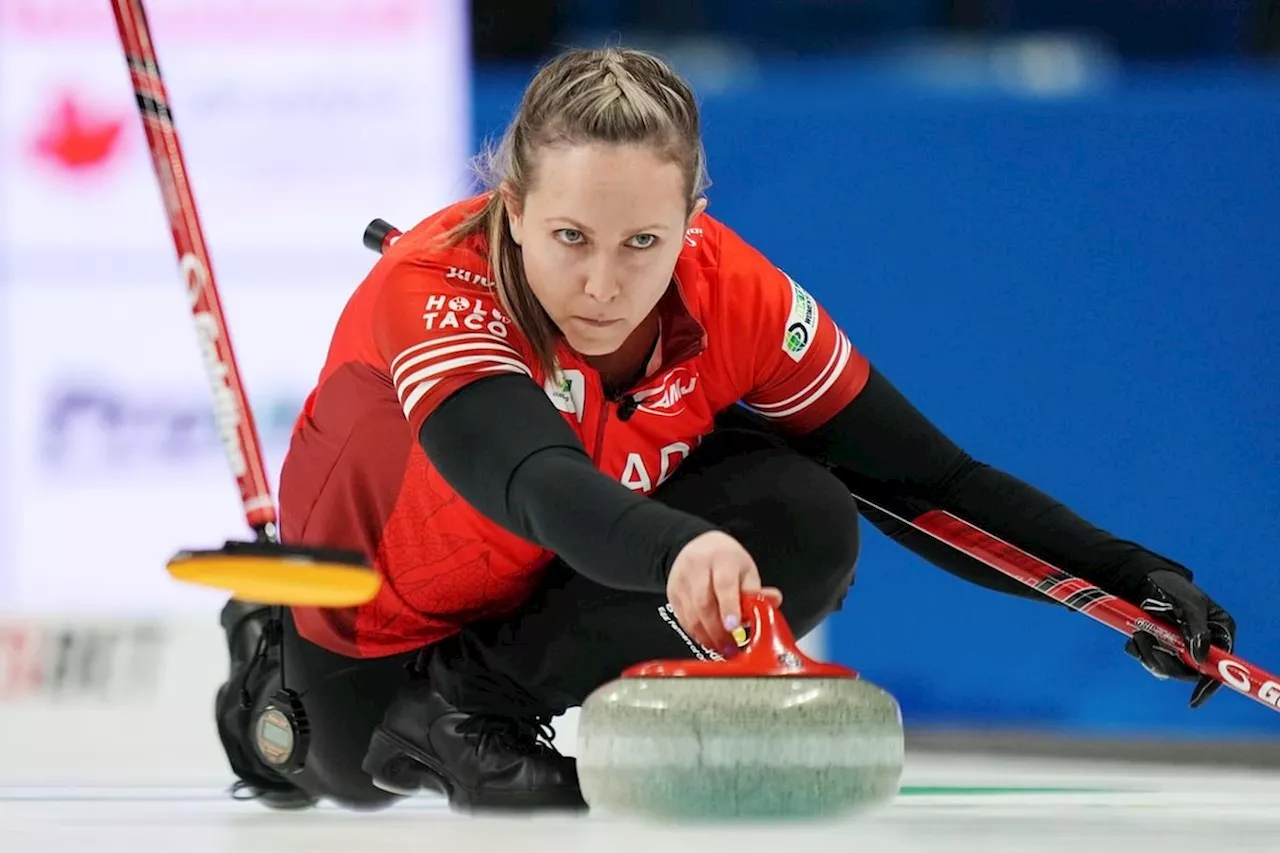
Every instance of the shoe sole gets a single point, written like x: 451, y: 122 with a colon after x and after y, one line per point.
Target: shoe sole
x: 398, y: 767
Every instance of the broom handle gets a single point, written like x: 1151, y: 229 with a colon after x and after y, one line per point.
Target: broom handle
x: 232, y: 415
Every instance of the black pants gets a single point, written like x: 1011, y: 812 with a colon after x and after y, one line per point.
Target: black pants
x: 795, y: 518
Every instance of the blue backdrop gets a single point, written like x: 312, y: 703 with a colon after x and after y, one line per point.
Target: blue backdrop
x: 1083, y: 291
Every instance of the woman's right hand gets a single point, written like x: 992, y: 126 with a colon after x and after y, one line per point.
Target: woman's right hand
x: 708, y: 579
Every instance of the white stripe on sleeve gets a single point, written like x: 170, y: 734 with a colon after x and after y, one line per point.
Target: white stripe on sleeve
x: 419, y: 368
x: 812, y: 392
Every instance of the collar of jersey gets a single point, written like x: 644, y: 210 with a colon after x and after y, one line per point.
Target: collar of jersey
x: 683, y: 335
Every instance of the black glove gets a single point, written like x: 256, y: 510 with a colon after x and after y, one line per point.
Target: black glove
x: 1172, y: 598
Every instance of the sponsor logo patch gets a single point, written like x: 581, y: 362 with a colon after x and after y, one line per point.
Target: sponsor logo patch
x: 567, y: 391
x: 667, y: 399
x: 802, y: 322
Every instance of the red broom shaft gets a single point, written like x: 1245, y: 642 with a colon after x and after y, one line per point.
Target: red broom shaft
x: 233, y: 417
x: 1084, y: 597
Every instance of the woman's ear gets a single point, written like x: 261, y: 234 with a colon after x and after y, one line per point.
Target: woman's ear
x: 515, y: 212
x: 698, y: 207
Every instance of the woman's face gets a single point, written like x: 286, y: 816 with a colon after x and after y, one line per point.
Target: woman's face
x: 600, y: 233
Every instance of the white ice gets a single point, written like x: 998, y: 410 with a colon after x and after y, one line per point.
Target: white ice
x: 1166, y: 809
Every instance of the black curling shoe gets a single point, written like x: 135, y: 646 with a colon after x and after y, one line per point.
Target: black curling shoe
x: 252, y: 644
x: 479, y: 761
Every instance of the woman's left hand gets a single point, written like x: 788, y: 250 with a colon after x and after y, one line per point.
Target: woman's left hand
x: 1200, y: 620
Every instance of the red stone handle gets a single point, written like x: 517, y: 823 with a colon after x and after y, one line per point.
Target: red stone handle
x: 771, y: 651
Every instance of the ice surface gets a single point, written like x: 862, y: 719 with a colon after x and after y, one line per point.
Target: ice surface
x: 957, y: 804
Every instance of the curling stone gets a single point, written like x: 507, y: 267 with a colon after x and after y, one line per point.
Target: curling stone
x: 767, y: 734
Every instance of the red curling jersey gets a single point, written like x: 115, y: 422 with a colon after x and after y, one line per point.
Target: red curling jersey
x: 425, y: 322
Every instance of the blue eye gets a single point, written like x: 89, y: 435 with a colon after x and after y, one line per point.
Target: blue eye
x: 569, y: 236
x: 643, y: 241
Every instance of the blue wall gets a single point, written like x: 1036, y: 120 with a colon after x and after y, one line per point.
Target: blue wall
x: 1084, y: 292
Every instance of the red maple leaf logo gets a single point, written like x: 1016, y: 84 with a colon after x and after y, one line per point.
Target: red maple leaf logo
x: 76, y: 140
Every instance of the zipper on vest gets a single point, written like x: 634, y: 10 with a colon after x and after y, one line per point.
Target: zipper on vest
x: 604, y: 422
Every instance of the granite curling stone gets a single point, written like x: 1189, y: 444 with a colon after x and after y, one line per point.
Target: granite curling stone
x: 769, y: 734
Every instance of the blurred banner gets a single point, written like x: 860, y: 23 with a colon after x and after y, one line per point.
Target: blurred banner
x: 300, y: 121
x: 1073, y: 270
x: 106, y: 701
x: 117, y: 462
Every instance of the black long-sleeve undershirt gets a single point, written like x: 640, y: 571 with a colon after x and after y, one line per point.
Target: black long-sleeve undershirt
x: 506, y: 450
x: 887, y: 452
